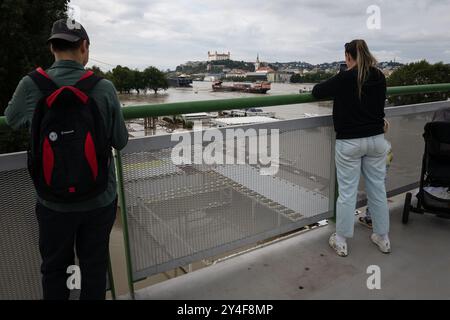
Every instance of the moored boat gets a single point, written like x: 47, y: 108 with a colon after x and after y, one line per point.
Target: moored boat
x: 258, y: 87
x: 180, y: 82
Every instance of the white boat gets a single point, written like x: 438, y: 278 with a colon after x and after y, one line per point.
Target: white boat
x: 259, y: 112
x: 213, y: 114
x: 251, y: 112
x: 238, y: 113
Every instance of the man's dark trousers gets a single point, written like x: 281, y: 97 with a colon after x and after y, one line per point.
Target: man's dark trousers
x: 88, y: 232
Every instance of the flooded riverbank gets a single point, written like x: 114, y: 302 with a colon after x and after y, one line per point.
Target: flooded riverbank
x: 202, y: 91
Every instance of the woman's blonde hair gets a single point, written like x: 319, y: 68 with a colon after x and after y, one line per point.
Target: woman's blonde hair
x: 359, y: 51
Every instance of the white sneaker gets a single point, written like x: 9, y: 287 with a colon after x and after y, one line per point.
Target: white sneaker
x: 383, y: 244
x: 339, y: 247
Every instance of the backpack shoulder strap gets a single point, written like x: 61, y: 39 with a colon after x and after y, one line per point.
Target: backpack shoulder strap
x: 43, y: 81
x: 87, y: 82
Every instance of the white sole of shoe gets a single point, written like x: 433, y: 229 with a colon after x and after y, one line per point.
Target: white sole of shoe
x: 379, y: 249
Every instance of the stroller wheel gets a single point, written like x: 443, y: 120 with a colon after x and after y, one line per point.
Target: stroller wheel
x: 406, y: 208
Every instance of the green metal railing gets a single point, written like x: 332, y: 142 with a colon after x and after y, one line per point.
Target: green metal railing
x: 164, y: 109
x: 123, y: 216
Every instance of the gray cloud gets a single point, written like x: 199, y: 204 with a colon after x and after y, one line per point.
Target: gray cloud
x: 166, y: 33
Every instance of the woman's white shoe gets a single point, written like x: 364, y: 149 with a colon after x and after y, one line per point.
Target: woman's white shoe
x: 382, y: 243
x: 340, y: 248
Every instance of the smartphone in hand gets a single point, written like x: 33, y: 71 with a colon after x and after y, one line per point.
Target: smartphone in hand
x: 342, y: 67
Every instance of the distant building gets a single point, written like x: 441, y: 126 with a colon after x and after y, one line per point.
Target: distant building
x: 213, y: 77
x: 279, y: 77
x: 261, y: 72
x: 257, y: 76
x: 234, y: 73
x: 259, y: 67
x: 264, y: 70
x: 218, y: 56
x: 291, y: 70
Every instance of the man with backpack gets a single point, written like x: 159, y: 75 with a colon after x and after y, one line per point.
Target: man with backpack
x: 75, y: 119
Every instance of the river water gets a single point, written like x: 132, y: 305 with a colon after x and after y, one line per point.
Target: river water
x: 202, y: 91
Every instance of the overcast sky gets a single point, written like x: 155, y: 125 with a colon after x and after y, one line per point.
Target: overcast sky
x: 166, y: 33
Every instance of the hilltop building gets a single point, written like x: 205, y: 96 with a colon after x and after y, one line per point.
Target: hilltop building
x: 218, y: 56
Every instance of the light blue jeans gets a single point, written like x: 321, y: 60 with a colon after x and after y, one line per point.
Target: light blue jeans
x: 353, y: 157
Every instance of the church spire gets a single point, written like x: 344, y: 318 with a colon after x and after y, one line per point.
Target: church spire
x: 257, y: 63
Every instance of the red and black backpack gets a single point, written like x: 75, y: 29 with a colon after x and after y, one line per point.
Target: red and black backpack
x: 70, y: 154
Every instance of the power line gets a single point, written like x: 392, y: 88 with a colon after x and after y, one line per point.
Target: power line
x: 102, y: 62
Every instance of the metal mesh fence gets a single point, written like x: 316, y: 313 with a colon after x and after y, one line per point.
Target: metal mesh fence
x: 20, y: 261
x: 182, y: 213
x: 178, y: 214
x: 405, y: 136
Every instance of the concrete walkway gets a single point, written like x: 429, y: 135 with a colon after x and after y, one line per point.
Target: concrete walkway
x: 304, y: 267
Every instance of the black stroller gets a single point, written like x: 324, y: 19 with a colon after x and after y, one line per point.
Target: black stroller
x: 434, y: 188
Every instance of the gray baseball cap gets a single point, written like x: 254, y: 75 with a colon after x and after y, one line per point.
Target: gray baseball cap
x: 69, y: 30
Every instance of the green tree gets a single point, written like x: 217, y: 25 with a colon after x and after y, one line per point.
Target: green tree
x: 97, y: 71
x: 109, y: 76
x: 232, y: 64
x: 418, y: 73
x: 123, y: 79
x: 155, y: 79
x: 296, y: 78
x: 25, y: 26
x: 311, y: 77
x: 138, y: 81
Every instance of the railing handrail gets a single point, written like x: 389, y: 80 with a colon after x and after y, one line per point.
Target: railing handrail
x: 163, y: 109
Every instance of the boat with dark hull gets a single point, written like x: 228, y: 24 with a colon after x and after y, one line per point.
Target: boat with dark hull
x: 258, y: 87
x: 180, y: 82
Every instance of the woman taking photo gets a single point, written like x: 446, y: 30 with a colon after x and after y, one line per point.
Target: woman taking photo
x: 359, y: 94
